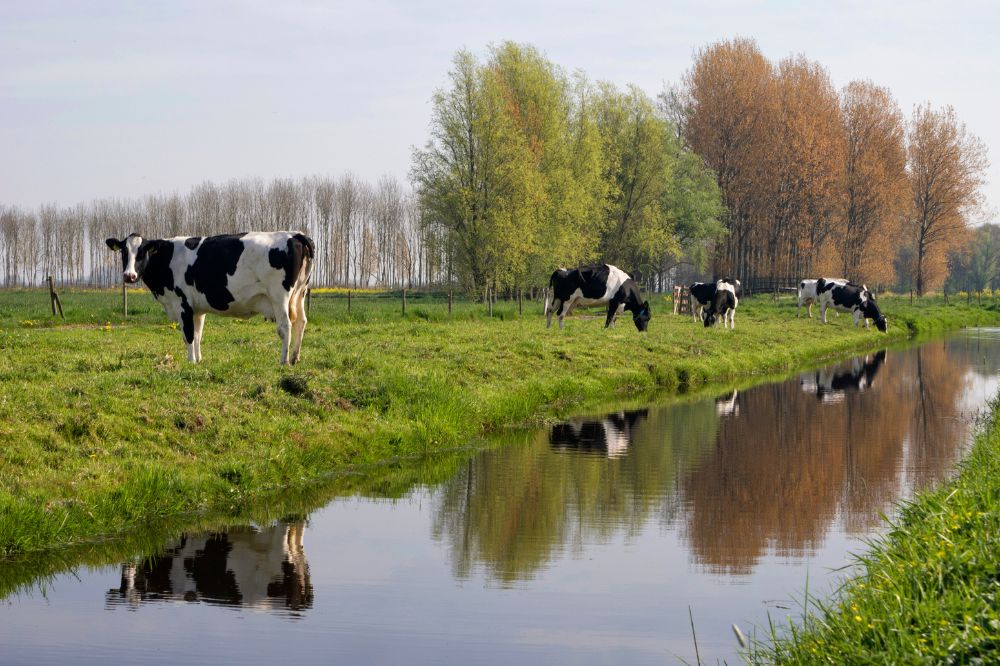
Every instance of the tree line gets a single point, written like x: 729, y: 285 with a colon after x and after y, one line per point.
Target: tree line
x: 366, y: 234
x: 820, y: 181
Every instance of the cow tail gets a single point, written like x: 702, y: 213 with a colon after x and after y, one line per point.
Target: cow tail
x: 308, y: 258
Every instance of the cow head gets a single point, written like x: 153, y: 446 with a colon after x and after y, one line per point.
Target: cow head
x: 871, y: 311
x: 135, y: 255
x: 642, y: 317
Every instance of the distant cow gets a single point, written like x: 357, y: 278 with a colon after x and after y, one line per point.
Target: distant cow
x: 808, y: 296
x: 850, y: 298
x: 723, y: 304
x: 596, y: 285
x: 702, y: 293
x: 727, y: 405
x: 236, y: 275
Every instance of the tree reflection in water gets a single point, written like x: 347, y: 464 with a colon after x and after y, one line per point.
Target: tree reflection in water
x: 767, y: 470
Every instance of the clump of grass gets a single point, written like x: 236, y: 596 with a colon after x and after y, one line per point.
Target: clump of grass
x: 296, y: 385
x: 928, y: 591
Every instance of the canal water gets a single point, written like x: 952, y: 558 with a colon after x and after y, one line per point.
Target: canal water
x: 595, y: 541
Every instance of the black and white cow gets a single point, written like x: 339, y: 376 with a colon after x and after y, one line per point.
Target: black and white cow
x: 852, y: 298
x: 596, y: 285
x: 723, y: 304
x: 808, y: 296
x: 236, y: 275
x: 702, y: 294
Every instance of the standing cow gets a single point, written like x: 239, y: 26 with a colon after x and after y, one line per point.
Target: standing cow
x: 850, y: 298
x: 237, y: 275
x: 596, y: 285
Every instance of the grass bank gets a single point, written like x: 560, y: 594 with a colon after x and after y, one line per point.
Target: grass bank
x: 926, y: 592
x: 106, y: 427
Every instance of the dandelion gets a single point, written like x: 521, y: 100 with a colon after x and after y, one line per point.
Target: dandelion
x: 857, y: 618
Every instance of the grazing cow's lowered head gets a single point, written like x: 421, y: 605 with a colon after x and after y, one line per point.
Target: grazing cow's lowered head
x: 853, y: 298
x: 723, y: 304
x: 596, y: 285
x: 236, y: 275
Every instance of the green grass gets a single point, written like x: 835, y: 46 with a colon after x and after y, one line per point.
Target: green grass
x: 928, y: 591
x: 106, y: 427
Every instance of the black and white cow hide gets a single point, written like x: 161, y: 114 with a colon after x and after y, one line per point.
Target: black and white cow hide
x: 808, y: 296
x: 852, y: 298
x: 702, y: 294
x: 236, y: 275
x: 596, y: 285
x: 723, y: 304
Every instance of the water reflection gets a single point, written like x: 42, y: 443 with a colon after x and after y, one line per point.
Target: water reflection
x: 262, y: 568
x: 832, y: 384
x: 768, y: 470
x: 610, y: 436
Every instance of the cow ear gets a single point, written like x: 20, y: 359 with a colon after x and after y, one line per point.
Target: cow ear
x: 114, y: 244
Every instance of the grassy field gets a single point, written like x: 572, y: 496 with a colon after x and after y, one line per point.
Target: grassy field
x: 927, y: 592
x: 106, y: 427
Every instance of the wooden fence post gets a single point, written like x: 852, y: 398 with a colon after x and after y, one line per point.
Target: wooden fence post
x: 449, y: 302
x: 348, y: 301
x: 54, y: 298
x: 309, y: 293
x: 489, y: 300
x: 124, y: 300
x: 979, y: 298
x: 911, y: 297
x: 404, y: 301
x: 520, y: 306
x: 945, y: 290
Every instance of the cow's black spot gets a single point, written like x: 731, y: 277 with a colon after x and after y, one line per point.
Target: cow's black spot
x: 187, y: 317
x: 215, y: 262
x: 297, y: 249
x: 192, y: 242
x: 157, y: 275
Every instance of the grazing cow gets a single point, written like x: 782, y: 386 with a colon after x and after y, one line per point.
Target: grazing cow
x: 831, y: 385
x: 236, y: 275
x: 596, y: 285
x: 702, y: 293
x: 850, y: 298
x: 610, y: 436
x: 723, y: 305
x: 807, y: 294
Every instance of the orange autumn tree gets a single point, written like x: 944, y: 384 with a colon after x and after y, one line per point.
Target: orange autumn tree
x: 947, y: 168
x: 808, y: 155
x: 731, y: 100
x: 876, y: 185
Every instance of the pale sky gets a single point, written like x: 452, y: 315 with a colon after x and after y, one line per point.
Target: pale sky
x: 122, y: 99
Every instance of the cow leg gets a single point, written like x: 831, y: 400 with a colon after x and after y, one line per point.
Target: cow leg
x: 732, y: 319
x: 556, y: 304
x: 284, y: 327
x: 298, y: 317
x: 567, y: 305
x: 822, y: 312
x: 612, y: 313
x: 199, y: 325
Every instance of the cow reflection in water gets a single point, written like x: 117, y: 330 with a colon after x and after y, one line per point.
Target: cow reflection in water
x: 726, y: 405
x: 831, y: 384
x: 609, y: 436
x: 256, y: 568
